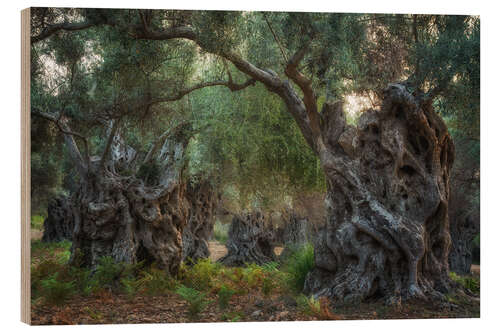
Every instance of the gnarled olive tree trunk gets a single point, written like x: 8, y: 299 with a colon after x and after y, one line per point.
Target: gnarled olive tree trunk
x: 387, y: 230
x: 126, y: 219
x: 297, y: 232
x: 203, y: 200
x: 250, y: 240
x: 59, y: 223
x: 464, y: 226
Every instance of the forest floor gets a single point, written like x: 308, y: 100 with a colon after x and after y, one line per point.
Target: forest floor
x: 253, y: 303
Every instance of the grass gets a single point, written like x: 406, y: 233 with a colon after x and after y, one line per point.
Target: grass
x: 37, y: 222
x: 298, y: 264
x: 468, y: 282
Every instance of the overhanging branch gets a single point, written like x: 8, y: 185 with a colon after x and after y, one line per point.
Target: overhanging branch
x: 62, y: 124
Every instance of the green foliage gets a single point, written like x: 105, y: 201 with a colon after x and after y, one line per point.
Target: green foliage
x: 268, y: 285
x: 224, y: 295
x: 152, y: 281
x: 298, y: 264
x: 108, y: 272
x: 221, y: 231
x: 201, y: 276
x: 468, y: 282
x: 308, y: 305
x: 55, y: 291
x: 197, y: 301
x: 37, y: 222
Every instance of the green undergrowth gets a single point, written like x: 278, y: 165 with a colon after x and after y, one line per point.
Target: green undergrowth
x: 54, y: 281
x: 37, y: 222
x: 221, y: 231
x: 469, y: 282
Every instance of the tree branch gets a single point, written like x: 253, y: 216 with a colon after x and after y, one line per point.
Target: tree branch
x: 53, y: 28
x: 109, y: 142
x: 62, y: 124
x: 276, y: 38
x: 161, y: 139
x: 229, y: 84
x: 305, y: 84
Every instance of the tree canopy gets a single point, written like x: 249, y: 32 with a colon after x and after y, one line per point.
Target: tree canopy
x: 150, y: 71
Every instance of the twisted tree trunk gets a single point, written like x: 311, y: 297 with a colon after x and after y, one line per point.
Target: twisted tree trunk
x: 296, y: 233
x: 203, y: 202
x: 122, y: 217
x: 59, y: 224
x: 387, y: 231
x: 250, y: 240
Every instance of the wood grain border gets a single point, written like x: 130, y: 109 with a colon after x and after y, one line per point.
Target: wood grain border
x: 25, y: 168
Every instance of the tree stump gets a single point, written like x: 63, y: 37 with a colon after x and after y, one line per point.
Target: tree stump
x: 387, y: 230
x: 250, y: 240
x: 203, y: 202
x: 59, y: 224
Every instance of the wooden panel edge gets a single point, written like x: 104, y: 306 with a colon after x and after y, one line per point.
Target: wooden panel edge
x: 25, y: 168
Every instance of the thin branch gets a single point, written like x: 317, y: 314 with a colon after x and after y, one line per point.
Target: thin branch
x: 109, y: 142
x: 229, y: 84
x: 53, y: 28
x: 276, y: 38
x: 161, y: 139
x: 305, y: 84
x: 63, y: 127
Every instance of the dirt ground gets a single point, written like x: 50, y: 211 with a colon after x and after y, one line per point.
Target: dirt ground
x: 218, y: 250
x: 109, y: 308
x: 114, y: 308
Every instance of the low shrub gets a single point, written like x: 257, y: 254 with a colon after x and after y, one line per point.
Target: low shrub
x: 37, y: 222
x: 467, y: 282
x: 108, y: 273
x: 202, y: 275
x: 54, y: 291
x: 197, y: 301
x: 298, y: 264
x: 224, y: 295
x: 308, y: 305
x: 153, y: 281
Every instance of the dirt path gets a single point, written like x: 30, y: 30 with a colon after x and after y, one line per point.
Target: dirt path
x: 218, y: 250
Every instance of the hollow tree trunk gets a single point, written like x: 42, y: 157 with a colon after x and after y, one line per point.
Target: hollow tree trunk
x: 122, y: 217
x: 203, y: 201
x: 59, y: 224
x: 387, y: 230
x: 250, y: 240
x: 296, y: 233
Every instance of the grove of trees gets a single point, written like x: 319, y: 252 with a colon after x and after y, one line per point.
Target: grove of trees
x: 151, y: 122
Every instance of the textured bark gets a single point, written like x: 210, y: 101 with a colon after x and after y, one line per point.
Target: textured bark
x: 119, y: 216
x: 462, y: 232
x: 297, y: 232
x: 203, y: 202
x: 464, y: 209
x: 250, y: 240
x: 59, y: 223
x: 387, y: 230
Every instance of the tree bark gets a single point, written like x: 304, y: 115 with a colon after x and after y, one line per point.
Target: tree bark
x: 122, y: 217
x: 464, y: 226
x: 387, y: 230
x: 296, y: 233
x: 250, y: 240
x: 59, y: 224
x: 203, y: 201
